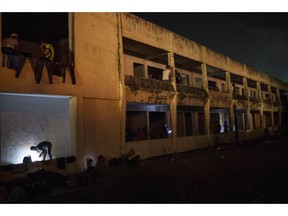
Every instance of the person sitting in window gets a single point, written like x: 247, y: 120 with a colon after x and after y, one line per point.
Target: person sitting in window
x: 48, y: 50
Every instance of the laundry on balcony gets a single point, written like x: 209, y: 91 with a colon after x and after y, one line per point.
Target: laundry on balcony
x: 14, y: 62
x: 53, y: 68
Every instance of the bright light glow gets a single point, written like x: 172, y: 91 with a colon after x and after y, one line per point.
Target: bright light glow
x: 169, y: 131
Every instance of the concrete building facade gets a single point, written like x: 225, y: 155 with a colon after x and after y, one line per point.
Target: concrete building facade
x: 113, y: 99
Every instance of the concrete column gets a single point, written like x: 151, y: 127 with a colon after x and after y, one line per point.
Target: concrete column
x: 173, y: 105
x: 278, y: 96
x: 207, y: 105
x: 270, y: 99
x: 259, y: 91
x: 122, y: 95
x: 245, y: 85
x: 249, y: 119
x: 262, y: 120
x: 171, y: 63
x: 228, y: 82
x: 269, y: 92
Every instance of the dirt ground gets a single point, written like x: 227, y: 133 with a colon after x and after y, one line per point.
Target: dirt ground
x: 252, y: 172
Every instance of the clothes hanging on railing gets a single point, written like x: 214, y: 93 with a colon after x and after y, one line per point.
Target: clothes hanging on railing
x: 53, y: 68
x: 14, y: 62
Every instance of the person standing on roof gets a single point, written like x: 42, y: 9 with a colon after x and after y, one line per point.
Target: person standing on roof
x: 10, y: 45
x: 48, y: 50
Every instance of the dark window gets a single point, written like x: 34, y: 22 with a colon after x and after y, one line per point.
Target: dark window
x: 188, y: 124
x: 139, y: 70
x: 157, y: 122
x: 154, y: 73
x: 136, y: 126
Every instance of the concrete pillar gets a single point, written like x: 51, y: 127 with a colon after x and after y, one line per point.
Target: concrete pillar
x: 269, y: 92
x: 230, y: 111
x: 245, y: 85
x: 270, y: 99
x: 259, y: 92
x: 171, y: 62
x: 122, y: 95
x: 249, y: 119
x: 262, y: 120
x: 278, y: 96
x: 207, y: 105
x: 173, y: 105
x: 228, y: 82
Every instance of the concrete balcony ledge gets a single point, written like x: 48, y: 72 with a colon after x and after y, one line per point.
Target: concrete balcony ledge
x: 192, y: 91
x: 255, y: 100
x: 220, y: 96
x: 137, y: 83
x: 240, y: 97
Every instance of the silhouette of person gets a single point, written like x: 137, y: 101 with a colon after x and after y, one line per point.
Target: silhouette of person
x: 226, y: 127
x: 45, y: 147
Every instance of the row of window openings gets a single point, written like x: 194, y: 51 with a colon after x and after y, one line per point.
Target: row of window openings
x: 144, y: 125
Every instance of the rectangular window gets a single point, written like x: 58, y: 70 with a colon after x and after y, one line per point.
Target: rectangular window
x: 184, y: 124
x: 139, y: 70
x: 154, y: 73
x: 136, y: 126
x: 201, y: 123
x: 157, y: 122
x: 188, y: 124
x: 185, y: 79
x: 180, y: 124
x: 147, y: 121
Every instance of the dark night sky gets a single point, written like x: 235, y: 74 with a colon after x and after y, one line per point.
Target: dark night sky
x: 36, y: 26
x: 259, y: 40
x: 256, y: 39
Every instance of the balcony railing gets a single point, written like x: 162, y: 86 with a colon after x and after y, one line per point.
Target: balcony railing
x: 136, y: 83
x: 255, y: 100
x: 240, y: 97
x: 192, y: 91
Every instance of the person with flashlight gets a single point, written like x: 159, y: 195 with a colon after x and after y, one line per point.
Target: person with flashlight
x: 45, y: 147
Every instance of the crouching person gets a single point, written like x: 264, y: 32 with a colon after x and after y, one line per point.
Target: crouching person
x: 133, y: 159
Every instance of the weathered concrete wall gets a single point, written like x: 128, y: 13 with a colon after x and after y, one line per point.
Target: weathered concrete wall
x: 152, y: 148
x: 143, y: 31
x: 28, y: 120
x: 101, y: 128
x: 96, y: 54
x: 151, y: 34
x: 191, y: 143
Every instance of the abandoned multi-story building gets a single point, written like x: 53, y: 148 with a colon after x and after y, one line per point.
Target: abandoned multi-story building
x: 109, y: 97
